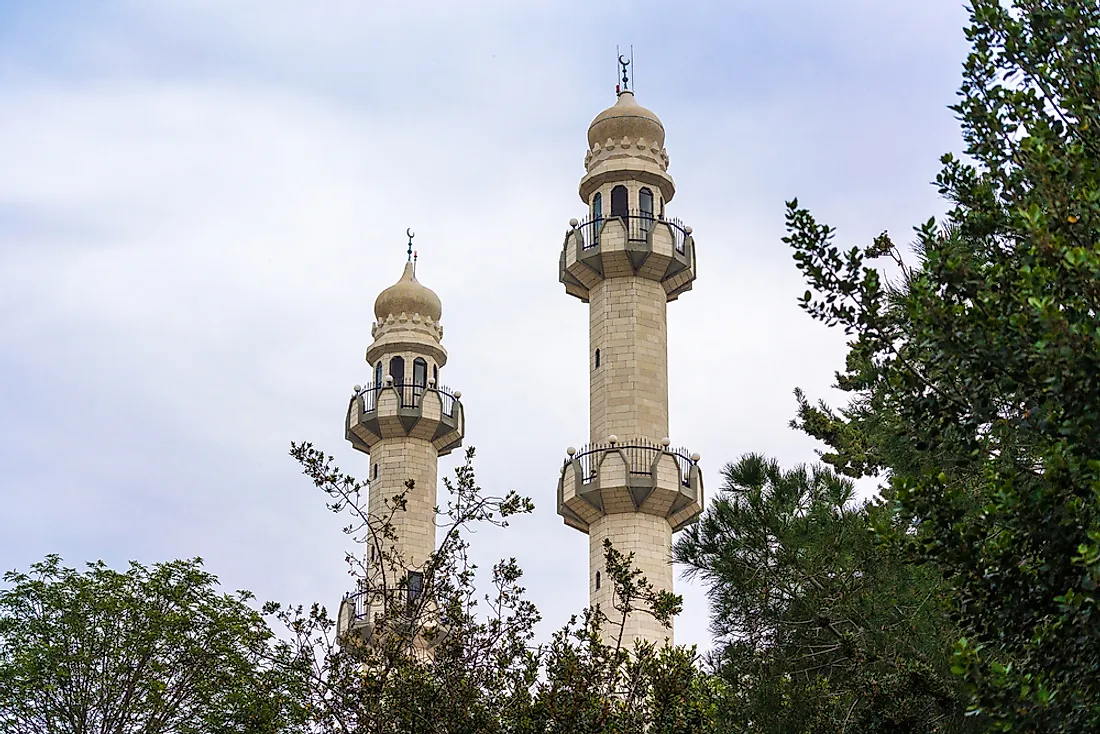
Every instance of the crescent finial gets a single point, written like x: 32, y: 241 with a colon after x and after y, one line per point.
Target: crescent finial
x: 411, y: 234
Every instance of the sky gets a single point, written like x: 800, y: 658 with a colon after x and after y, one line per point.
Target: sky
x: 200, y: 201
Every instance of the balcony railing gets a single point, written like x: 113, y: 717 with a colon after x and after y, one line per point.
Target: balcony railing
x: 638, y: 225
x: 401, y: 595
x: 639, y: 454
x: 409, y: 395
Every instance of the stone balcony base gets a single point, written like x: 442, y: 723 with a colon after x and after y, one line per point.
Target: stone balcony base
x: 630, y: 477
x: 427, y: 412
x: 656, y: 249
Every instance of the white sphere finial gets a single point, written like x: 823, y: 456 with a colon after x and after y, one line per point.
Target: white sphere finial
x: 687, y: 229
x: 357, y: 388
x: 695, y: 458
x: 431, y: 382
x: 389, y: 379
x: 612, y: 439
x: 574, y: 222
x: 458, y: 394
x: 665, y: 442
x: 571, y: 451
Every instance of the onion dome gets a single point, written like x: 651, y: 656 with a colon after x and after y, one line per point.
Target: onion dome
x: 408, y: 296
x: 626, y: 119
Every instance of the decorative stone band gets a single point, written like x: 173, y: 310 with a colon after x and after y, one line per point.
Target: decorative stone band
x: 619, y: 246
x: 407, y: 333
x: 638, y: 147
x: 634, y: 476
x: 387, y: 411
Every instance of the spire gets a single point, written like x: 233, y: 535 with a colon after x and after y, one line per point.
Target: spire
x: 411, y: 234
x: 624, y: 63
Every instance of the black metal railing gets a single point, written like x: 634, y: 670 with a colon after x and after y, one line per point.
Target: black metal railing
x: 410, y: 395
x: 407, y: 592
x: 639, y: 455
x: 638, y: 225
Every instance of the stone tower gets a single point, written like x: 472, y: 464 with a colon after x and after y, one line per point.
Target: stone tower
x: 627, y: 259
x: 405, y: 420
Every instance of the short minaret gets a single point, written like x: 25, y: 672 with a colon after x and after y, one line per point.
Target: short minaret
x: 405, y: 420
x: 627, y: 259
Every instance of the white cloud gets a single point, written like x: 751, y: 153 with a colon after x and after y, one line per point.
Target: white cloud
x: 200, y: 201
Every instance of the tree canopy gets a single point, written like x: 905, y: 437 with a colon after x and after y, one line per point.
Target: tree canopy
x: 150, y: 650
x: 974, y: 376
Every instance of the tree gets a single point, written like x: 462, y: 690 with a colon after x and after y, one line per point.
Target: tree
x: 819, y: 627
x: 975, y: 376
x: 146, y: 650
x: 441, y: 664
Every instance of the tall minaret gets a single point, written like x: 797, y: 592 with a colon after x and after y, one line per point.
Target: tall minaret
x: 627, y: 259
x: 405, y: 420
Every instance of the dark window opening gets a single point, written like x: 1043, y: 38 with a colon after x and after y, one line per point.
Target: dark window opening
x: 420, y: 377
x: 597, y: 359
x: 597, y: 206
x: 435, y: 374
x: 597, y: 581
x: 416, y: 585
x: 618, y: 201
x: 645, y: 203
x: 397, y: 370
x: 374, y: 471
x: 378, y: 374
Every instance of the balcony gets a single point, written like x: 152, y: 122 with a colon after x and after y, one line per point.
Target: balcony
x: 633, y: 244
x: 430, y: 412
x: 404, y: 608
x: 632, y: 476
x: 638, y: 226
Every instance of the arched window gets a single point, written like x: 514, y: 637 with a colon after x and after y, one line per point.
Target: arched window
x: 645, y: 204
x: 597, y: 359
x: 435, y: 374
x: 378, y: 375
x: 375, y: 472
x: 420, y: 377
x: 397, y: 370
x: 597, y: 581
x: 416, y: 585
x: 597, y: 206
x: 618, y: 201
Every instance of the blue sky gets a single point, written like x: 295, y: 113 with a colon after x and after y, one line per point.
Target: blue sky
x: 200, y: 200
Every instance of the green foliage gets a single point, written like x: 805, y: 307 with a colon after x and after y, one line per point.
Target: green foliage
x: 456, y: 661
x: 820, y: 627
x: 148, y: 650
x: 975, y: 377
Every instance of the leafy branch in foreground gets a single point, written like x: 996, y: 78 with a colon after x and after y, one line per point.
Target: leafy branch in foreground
x: 974, y: 378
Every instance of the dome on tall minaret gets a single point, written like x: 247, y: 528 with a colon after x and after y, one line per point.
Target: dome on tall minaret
x: 626, y: 119
x: 408, y: 296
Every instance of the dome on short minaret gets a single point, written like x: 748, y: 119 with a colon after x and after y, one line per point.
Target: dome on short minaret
x: 626, y: 119
x: 408, y: 296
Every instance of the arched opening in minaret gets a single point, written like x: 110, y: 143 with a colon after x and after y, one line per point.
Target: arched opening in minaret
x: 378, y: 375
x: 597, y: 359
x: 420, y: 377
x: 397, y: 370
x: 619, y: 201
x: 597, y: 581
x: 597, y: 206
x: 435, y: 375
x: 645, y: 204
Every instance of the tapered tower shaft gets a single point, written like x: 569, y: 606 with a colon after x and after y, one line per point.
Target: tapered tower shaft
x: 627, y: 260
x: 405, y: 420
